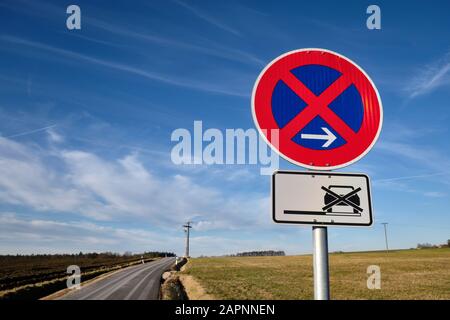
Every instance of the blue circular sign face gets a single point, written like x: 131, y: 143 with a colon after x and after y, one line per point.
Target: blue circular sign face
x: 286, y: 105
x: 325, y: 110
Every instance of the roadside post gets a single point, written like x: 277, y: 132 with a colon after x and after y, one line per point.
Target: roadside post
x: 187, y: 228
x: 328, y: 114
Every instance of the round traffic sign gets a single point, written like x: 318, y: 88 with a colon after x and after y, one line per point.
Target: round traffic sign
x: 317, y: 109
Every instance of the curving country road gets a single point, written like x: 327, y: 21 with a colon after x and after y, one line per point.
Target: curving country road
x: 139, y: 282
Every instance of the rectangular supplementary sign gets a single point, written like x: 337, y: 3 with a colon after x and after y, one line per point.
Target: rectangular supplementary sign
x: 321, y: 198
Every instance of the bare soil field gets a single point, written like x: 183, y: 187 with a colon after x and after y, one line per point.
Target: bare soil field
x: 35, y: 276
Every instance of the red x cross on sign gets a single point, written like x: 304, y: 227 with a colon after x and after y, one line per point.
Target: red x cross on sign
x: 355, y: 143
x: 317, y: 106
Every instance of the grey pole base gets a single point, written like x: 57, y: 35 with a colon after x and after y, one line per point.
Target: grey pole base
x: 320, y: 254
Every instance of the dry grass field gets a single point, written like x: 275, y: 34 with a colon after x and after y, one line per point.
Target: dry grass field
x: 405, y: 274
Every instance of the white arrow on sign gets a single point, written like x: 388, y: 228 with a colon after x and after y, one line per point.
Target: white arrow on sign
x: 329, y: 136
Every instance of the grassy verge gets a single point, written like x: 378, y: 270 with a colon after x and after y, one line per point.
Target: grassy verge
x: 405, y: 274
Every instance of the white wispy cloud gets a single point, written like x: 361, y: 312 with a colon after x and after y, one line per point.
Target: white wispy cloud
x: 427, y: 156
x: 413, y: 177
x: 421, y: 161
x: 93, y: 40
x: 212, y: 49
x: 20, y: 134
x: 83, y: 183
x: 19, y: 234
x: 122, y: 33
x: 54, y: 136
x: 26, y: 235
x: 26, y: 180
x: 431, y: 77
x: 435, y: 194
x: 154, y: 76
x: 208, y: 18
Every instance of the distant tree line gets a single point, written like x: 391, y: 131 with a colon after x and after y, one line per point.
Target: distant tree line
x: 269, y: 253
x: 430, y: 246
x: 155, y: 254
x: 95, y: 255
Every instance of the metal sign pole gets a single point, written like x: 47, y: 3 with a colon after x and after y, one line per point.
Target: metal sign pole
x: 321, y: 275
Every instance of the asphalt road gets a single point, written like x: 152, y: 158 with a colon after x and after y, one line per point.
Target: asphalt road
x: 139, y: 282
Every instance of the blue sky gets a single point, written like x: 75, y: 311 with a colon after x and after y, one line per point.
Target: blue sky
x: 86, y: 118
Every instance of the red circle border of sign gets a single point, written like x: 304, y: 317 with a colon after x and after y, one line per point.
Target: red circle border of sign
x: 344, y: 155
